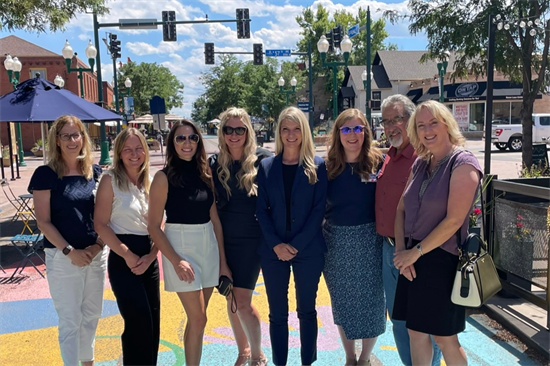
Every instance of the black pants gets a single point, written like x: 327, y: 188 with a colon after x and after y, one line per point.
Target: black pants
x: 138, y: 300
x: 307, y: 272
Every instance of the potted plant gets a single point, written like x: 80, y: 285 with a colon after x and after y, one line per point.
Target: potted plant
x: 472, y: 221
x: 37, y: 148
x: 6, y: 155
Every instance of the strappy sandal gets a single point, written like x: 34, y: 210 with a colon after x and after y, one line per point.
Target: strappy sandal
x: 363, y: 362
x: 262, y: 361
x: 243, y: 359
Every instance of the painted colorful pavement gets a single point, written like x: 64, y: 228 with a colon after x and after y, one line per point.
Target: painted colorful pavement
x: 28, y: 332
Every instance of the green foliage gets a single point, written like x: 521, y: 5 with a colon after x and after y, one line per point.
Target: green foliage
x: 38, y: 145
x: 462, y: 26
x: 148, y: 80
x: 42, y: 15
x: 535, y: 171
x: 314, y: 24
x: 233, y: 83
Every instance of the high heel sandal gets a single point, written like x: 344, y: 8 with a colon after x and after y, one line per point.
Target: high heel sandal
x: 262, y: 361
x: 363, y: 362
x: 243, y: 359
x: 350, y: 362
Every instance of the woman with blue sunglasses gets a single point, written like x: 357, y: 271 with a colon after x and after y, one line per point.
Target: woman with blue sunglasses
x: 191, y: 243
x: 353, y: 262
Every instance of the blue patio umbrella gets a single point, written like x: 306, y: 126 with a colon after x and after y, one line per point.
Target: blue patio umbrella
x: 38, y: 100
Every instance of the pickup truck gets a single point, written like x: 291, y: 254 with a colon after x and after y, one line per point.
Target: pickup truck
x: 505, y: 135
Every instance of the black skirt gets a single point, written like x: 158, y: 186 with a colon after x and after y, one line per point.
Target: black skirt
x: 425, y: 303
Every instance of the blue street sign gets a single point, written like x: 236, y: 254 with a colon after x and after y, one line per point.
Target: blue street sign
x: 157, y: 105
x: 277, y: 53
x: 303, y: 106
x: 353, y: 31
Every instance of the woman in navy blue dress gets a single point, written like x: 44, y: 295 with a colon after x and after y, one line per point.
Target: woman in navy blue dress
x: 63, y: 193
x: 234, y: 171
x: 353, y: 268
x: 292, y: 188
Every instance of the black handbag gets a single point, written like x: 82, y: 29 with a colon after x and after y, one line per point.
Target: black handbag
x: 225, y: 288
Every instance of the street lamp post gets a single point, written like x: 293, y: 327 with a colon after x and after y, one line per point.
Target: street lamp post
x: 281, y: 83
x: 442, y: 64
x: 59, y: 81
x: 128, y: 85
x: 345, y: 47
x: 13, y: 67
x: 68, y: 54
x: 367, y: 77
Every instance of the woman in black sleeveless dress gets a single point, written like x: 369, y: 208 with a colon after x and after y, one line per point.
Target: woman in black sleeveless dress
x: 191, y: 243
x: 234, y: 171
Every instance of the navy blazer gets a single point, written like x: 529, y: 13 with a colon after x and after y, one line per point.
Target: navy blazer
x: 308, y: 208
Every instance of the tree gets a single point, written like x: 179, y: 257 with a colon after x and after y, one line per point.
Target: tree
x: 200, y: 113
x: 41, y: 15
x: 314, y: 24
x: 148, y: 80
x: 462, y: 26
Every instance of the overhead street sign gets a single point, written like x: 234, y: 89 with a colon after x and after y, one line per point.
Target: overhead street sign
x: 138, y: 23
x: 277, y: 53
x: 303, y: 106
x: 353, y: 31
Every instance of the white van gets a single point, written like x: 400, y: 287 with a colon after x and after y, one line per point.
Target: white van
x: 511, y: 135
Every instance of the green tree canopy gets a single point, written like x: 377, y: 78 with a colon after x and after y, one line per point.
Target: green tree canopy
x: 520, y: 53
x: 315, y: 23
x: 148, y: 80
x: 41, y: 15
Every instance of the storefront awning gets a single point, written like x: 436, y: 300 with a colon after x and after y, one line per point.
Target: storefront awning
x: 474, y: 91
x: 414, y: 94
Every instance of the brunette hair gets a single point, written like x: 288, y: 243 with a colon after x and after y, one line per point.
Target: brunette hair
x: 369, y: 158
x: 174, y: 163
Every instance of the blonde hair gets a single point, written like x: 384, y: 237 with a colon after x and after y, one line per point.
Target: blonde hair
x: 85, y: 157
x: 246, y: 176
x: 369, y: 158
x: 307, y: 148
x: 119, y: 170
x: 442, y: 114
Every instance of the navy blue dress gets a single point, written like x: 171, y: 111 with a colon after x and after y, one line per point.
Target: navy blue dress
x: 241, y: 231
x: 72, y: 200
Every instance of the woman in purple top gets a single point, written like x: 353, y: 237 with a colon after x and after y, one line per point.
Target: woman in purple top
x: 434, y: 206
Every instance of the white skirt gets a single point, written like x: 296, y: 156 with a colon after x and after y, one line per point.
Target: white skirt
x: 197, y: 245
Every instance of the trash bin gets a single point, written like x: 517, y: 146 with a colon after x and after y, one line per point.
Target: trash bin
x: 260, y: 140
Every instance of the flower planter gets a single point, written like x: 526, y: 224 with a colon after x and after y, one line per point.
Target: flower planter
x: 6, y: 161
x: 38, y: 153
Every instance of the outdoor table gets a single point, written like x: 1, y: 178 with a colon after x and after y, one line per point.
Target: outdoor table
x: 31, y: 247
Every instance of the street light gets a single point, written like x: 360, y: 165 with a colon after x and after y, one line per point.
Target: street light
x: 91, y: 53
x: 59, y: 81
x: 443, y: 62
x: 281, y: 83
x: 13, y: 67
x: 345, y: 47
x: 128, y: 85
x: 367, y: 77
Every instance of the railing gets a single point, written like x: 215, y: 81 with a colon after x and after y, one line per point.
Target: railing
x: 518, y: 231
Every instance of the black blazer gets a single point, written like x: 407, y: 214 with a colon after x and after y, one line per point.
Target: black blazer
x: 307, y: 210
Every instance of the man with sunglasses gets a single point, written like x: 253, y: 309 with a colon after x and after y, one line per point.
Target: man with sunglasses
x: 392, y: 180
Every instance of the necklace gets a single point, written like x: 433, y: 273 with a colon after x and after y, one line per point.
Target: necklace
x: 352, y: 166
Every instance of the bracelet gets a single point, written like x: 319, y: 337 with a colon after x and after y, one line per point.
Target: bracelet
x: 101, y: 246
x: 419, y: 248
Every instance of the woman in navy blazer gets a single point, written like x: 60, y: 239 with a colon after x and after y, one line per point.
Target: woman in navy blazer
x: 291, y: 204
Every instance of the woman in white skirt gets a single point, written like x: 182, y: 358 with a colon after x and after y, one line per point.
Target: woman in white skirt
x: 191, y: 244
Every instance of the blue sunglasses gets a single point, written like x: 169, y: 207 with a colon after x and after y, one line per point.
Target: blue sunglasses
x: 357, y: 129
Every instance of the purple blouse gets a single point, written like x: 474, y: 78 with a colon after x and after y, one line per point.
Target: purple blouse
x: 426, y: 198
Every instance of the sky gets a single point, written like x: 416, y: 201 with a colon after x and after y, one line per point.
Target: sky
x: 272, y: 23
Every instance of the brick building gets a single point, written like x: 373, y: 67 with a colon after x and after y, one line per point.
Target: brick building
x: 37, y: 60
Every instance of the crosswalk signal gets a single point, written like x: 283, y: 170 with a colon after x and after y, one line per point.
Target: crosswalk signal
x: 258, y: 54
x: 337, y: 36
x: 243, y: 23
x: 330, y: 41
x: 169, y: 28
x: 209, y: 54
x: 114, y: 46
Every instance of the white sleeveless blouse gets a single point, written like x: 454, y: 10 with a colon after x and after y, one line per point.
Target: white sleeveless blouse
x: 129, y: 211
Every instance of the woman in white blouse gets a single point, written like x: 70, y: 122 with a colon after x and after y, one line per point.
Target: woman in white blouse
x: 121, y: 220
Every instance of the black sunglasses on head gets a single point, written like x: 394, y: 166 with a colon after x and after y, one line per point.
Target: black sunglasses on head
x: 180, y: 139
x: 227, y: 130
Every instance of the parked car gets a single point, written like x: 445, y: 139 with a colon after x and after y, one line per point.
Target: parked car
x: 510, y: 136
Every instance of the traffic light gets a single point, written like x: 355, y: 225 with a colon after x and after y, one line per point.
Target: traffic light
x: 330, y: 41
x: 258, y: 54
x: 168, y: 28
x: 243, y: 23
x: 209, y: 54
x: 337, y: 36
x: 114, y: 46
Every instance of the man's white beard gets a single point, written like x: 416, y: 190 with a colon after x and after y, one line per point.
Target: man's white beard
x: 396, y: 141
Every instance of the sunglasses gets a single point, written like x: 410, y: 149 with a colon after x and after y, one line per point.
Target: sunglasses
x: 68, y: 136
x: 397, y: 120
x: 229, y: 130
x: 180, y: 139
x: 357, y: 129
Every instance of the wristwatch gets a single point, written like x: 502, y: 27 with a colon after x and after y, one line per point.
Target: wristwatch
x: 67, y: 249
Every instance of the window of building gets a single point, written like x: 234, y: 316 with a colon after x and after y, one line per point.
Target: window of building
x: 477, y: 116
x: 376, y: 100
x: 42, y: 72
